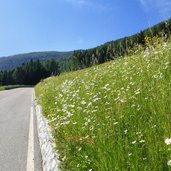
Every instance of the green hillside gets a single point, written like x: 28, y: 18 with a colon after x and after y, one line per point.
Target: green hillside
x: 115, y: 116
x: 11, y: 62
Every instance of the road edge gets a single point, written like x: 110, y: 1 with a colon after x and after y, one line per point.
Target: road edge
x: 30, y: 152
x: 50, y: 160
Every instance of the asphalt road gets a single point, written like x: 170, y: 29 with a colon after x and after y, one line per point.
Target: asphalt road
x: 15, y: 106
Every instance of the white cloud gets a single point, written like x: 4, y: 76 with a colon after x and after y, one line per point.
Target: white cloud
x: 163, y: 7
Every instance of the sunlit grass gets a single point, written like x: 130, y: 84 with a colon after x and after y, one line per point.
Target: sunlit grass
x: 114, y: 116
x: 2, y: 88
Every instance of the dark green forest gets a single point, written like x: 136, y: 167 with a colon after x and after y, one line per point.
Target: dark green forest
x: 31, y: 73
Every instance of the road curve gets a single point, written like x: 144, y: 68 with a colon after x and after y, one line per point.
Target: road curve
x: 15, y: 106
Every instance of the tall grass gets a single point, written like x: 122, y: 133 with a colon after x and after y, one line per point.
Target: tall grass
x: 112, y: 117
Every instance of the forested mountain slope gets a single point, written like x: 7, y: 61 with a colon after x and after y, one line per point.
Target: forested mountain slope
x: 11, y: 62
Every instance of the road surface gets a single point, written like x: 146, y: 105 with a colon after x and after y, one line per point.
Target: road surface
x: 15, y: 112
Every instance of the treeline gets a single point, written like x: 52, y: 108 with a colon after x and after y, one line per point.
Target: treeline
x: 30, y: 73
x: 122, y: 47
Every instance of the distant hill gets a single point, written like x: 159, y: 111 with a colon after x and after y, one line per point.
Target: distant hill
x: 11, y: 62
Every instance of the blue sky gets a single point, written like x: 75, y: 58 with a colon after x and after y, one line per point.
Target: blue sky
x: 63, y: 25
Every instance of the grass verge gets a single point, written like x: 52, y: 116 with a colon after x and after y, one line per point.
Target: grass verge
x: 8, y: 87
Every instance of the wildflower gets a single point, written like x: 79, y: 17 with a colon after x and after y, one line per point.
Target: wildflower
x: 126, y: 63
x: 96, y: 99
x: 115, y: 123
x: 167, y: 141
x: 169, y: 163
x: 142, y: 141
x: 79, y: 149
x: 106, y: 85
x: 154, y: 126
x: 125, y: 131
x: 137, y: 133
x: 64, y: 158
x: 134, y: 142
x: 137, y: 92
x: 83, y: 102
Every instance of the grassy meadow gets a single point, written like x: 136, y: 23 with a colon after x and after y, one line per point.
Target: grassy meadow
x: 112, y: 117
